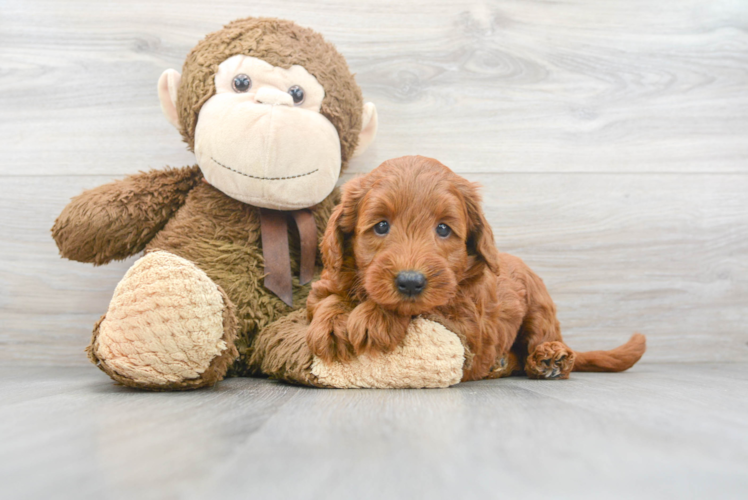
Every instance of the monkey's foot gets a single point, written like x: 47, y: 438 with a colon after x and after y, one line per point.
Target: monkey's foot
x: 550, y: 360
x: 168, y: 327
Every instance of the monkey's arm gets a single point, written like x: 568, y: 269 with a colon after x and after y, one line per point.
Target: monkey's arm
x: 116, y: 220
x: 430, y: 356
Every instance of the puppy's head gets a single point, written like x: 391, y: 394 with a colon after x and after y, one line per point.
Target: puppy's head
x: 407, y: 234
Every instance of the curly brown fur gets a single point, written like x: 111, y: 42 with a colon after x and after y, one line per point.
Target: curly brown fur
x: 493, y: 300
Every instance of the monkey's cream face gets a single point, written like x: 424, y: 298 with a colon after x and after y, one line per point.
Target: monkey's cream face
x: 261, y: 138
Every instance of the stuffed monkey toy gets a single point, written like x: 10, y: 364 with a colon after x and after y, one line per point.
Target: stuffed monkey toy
x: 273, y: 115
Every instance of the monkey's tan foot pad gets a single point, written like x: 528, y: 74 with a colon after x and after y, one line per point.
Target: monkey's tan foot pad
x: 550, y: 360
x: 168, y: 327
x: 429, y: 356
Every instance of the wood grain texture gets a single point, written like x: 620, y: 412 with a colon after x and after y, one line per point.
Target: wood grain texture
x: 666, y: 255
x: 657, y: 431
x: 486, y: 86
x: 610, y: 136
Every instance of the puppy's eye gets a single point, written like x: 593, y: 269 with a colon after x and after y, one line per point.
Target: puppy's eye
x: 241, y: 83
x: 297, y: 93
x: 443, y: 230
x: 382, y: 228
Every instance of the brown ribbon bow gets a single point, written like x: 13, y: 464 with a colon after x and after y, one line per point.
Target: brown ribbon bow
x: 274, y: 229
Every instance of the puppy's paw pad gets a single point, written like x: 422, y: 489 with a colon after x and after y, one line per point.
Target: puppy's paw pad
x: 550, y: 360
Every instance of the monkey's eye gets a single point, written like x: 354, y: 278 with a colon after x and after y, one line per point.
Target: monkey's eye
x: 297, y: 93
x: 382, y: 228
x: 241, y: 83
x: 443, y: 230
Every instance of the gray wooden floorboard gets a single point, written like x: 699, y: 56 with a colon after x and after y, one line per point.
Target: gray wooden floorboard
x: 657, y: 431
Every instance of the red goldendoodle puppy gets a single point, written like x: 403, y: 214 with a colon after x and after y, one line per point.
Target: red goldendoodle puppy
x: 410, y: 239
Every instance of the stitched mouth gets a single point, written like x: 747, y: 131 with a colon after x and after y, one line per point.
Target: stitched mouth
x: 263, y: 178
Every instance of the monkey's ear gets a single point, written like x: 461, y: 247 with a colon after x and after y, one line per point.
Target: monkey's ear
x: 168, y: 84
x: 368, y: 128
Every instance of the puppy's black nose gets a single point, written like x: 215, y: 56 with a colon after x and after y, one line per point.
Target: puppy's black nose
x: 410, y: 283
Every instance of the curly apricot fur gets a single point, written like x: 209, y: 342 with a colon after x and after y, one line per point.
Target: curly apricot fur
x: 498, y: 307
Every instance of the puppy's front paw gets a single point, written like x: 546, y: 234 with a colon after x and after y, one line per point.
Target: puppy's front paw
x: 550, y: 360
x: 373, y: 330
x: 327, y: 337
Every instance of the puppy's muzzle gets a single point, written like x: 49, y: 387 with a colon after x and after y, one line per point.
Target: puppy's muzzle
x: 410, y: 283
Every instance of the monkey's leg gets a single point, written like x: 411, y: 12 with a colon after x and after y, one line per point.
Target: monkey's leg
x: 429, y: 356
x: 168, y: 327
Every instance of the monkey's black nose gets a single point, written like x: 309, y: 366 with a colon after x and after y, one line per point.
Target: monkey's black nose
x: 410, y: 283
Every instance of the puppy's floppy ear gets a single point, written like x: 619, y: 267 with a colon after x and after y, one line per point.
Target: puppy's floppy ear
x: 480, y: 240
x: 341, y: 224
x: 333, y: 241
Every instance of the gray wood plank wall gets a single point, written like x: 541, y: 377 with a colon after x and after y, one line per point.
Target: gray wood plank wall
x: 611, y: 137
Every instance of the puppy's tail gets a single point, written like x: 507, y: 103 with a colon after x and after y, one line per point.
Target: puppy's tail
x: 616, y: 360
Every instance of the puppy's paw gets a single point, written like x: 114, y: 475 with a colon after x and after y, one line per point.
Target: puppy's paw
x: 505, y: 365
x: 327, y: 337
x: 550, y: 360
x: 373, y: 330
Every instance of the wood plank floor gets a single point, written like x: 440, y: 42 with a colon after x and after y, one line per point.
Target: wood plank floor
x: 657, y: 431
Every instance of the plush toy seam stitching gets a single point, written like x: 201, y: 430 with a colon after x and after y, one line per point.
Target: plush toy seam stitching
x: 264, y: 178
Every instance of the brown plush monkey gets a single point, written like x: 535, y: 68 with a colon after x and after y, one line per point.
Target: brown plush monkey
x: 273, y: 115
